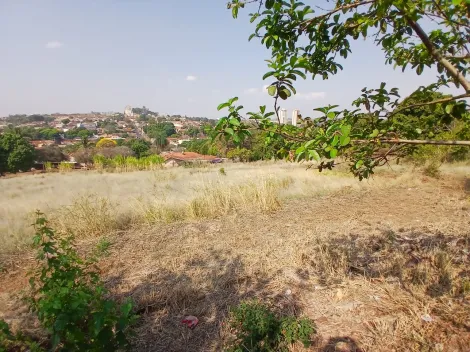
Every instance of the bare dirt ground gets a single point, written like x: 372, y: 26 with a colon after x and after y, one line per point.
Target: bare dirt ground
x: 378, y: 269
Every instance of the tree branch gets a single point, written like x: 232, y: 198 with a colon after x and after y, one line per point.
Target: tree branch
x: 458, y: 57
x: 438, y: 101
x: 451, y: 69
x: 346, y: 7
x: 413, y: 141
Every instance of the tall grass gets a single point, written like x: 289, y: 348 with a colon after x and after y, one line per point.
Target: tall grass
x: 65, y: 167
x: 48, y: 166
x: 217, y: 199
x: 121, y: 163
x: 88, y: 216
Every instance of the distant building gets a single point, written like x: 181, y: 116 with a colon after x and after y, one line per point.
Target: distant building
x: 128, y: 111
x: 295, y: 117
x: 283, y: 116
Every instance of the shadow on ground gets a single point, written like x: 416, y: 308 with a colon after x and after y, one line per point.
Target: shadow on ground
x: 207, y: 290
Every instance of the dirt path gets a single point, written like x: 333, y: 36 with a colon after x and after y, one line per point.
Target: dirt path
x: 305, y: 259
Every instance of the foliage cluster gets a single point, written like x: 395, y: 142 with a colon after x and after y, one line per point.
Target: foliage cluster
x: 70, y: 301
x: 106, y: 143
x: 159, y: 131
x: 16, y: 153
x: 312, y: 41
x: 257, y: 329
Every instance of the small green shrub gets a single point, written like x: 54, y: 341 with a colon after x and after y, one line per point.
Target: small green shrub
x: 69, y: 298
x: 16, y: 342
x: 258, y: 329
x: 222, y: 171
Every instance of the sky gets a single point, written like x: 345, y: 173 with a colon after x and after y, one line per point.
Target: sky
x: 175, y: 57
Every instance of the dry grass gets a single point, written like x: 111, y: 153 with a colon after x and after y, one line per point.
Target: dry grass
x: 380, y: 265
x: 90, y: 203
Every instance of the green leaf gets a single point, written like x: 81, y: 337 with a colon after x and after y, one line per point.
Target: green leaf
x: 234, y: 12
x: 344, y: 140
x: 234, y: 121
x: 229, y: 131
x: 314, y: 154
x: 359, y: 164
x: 345, y: 130
x: 269, y: 4
x: 331, y: 115
x: 374, y: 133
x: 335, y: 141
x: 272, y: 90
x: 222, y: 106
x: 333, y: 153
x: 449, y: 108
x: 268, y: 74
x: 419, y: 130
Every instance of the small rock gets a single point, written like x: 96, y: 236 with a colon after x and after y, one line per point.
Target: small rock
x: 288, y: 292
x: 339, y: 294
x: 427, y: 318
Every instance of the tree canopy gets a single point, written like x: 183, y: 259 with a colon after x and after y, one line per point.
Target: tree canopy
x: 309, y: 41
x: 16, y: 153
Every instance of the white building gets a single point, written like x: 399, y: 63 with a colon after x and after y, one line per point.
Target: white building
x: 128, y: 111
x: 295, y: 117
x: 283, y: 116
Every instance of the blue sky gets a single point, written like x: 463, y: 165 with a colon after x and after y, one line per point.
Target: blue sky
x: 183, y: 57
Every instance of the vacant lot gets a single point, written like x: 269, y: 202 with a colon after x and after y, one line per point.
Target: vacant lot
x: 380, y: 265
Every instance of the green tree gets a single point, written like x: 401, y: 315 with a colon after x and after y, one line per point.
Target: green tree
x: 154, y: 129
x: 140, y: 147
x: 193, y: 131
x: 307, y: 41
x: 16, y: 153
x: 84, y: 136
x: 65, y: 121
x: 49, y: 133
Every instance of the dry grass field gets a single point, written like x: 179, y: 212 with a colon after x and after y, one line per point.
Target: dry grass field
x: 380, y: 265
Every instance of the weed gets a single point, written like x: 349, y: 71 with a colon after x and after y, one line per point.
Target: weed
x: 65, y: 167
x: 16, y: 342
x: 102, y: 248
x: 432, y: 170
x: 48, y: 166
x: 464, y: 288
x: 69, y: 298
x: 222, y: 171
x: 420, y: 274
x: 257, y: 328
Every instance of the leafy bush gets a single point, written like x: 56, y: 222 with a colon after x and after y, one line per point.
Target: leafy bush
x: 258, y: 329
x: 69, y: 298
x: 222, y: 171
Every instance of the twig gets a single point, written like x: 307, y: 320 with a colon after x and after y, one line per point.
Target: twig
x: 438, y: 101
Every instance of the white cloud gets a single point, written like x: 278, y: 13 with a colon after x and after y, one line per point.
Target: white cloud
x: 251, y: 91
x: 191, y: 78
x: 310, y: 96
x: 191, y: 100
x: 54, y: 44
